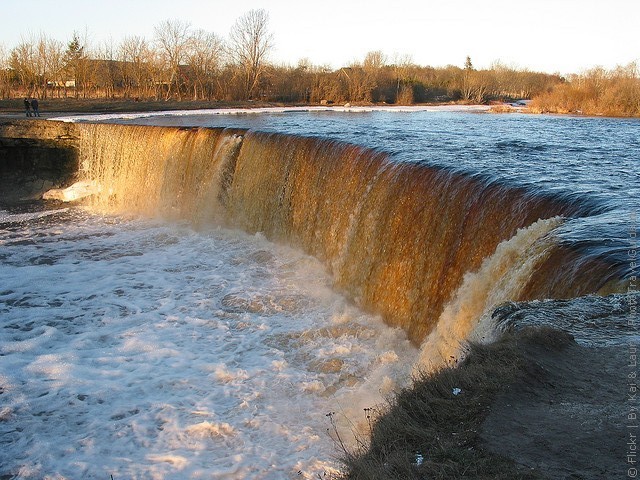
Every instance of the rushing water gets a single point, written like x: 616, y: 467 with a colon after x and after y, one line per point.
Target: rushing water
x: 587, y: 161
x: 147, y: 350
x: 595, y: 157
x: 143, y: 348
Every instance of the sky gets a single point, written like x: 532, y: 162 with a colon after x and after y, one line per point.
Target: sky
x: 563, y: 36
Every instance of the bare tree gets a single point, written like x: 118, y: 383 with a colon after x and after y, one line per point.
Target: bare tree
x: 5, y: 86
x: 204, y: 59
x: 159, y: 77
x: 21, y: 61
x: 250, y: 44
x: 41, y: 60
x: 54, y: 64
x: 467, y: 79
x: 41, y: 72
x: 360, y: 82
x: 106, y: 69
x: 373, y: 66
x: 374, y: 60
x: 404, y: 91
x: 173, y: 38
x: 136, y: 58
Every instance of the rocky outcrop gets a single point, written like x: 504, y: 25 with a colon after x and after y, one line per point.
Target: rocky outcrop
x: 36, y: 155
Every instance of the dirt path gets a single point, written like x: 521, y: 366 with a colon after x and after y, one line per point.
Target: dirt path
x: 567, y: 418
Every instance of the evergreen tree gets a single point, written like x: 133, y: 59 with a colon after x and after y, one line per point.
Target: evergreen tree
x: 74, y: 61
x: 467, y: 63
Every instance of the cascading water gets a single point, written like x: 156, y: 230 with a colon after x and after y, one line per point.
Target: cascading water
x: 501, y: 278
x: 397, y: 238
x: 169, y: 172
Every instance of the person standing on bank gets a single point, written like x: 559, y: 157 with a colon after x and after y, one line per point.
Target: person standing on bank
x: 34, y: 107
x: 27, y: 107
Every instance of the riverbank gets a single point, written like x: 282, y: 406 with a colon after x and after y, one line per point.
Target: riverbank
x: 533, y: 405
x: 14, y: 108
x: 50, y: 108
x: 54, y: 108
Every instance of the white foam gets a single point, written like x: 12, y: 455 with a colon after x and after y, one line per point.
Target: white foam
x: 121, y: 356
x: 272, y: 110
x: 8, y: 217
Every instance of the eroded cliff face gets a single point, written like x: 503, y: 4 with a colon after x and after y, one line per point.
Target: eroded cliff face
x: 36, y: 155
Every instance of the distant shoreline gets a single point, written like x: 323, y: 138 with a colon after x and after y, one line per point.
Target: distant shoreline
x: 273, y: 110
x: 48, y: 107
x: 63, y: 107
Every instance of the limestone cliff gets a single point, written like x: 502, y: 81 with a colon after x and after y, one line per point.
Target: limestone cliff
x: 36, y: 155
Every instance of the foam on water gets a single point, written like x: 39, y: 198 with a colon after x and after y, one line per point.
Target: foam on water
x: 148, y: 350
x: 10, y: 217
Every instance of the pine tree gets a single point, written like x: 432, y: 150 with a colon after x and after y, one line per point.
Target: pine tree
x: 74, y: 59
x: 467, y: 63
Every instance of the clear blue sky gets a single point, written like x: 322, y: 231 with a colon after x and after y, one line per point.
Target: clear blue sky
x: 548, y: 35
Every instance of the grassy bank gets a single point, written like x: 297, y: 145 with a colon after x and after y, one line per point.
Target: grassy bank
x: 432, y: 430
x: 430, y: 422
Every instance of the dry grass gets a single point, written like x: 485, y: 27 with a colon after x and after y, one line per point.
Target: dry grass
x: 427, y: 419
x: 502, y: 109
x: 613, y: 93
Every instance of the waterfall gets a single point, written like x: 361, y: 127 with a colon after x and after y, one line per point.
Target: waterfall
x: 501, y: 277
x: 399, y: 239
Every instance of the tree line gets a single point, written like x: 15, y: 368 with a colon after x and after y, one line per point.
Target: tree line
x: 598, y: 91
x: 179, y: 63
x: 184, y: 63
